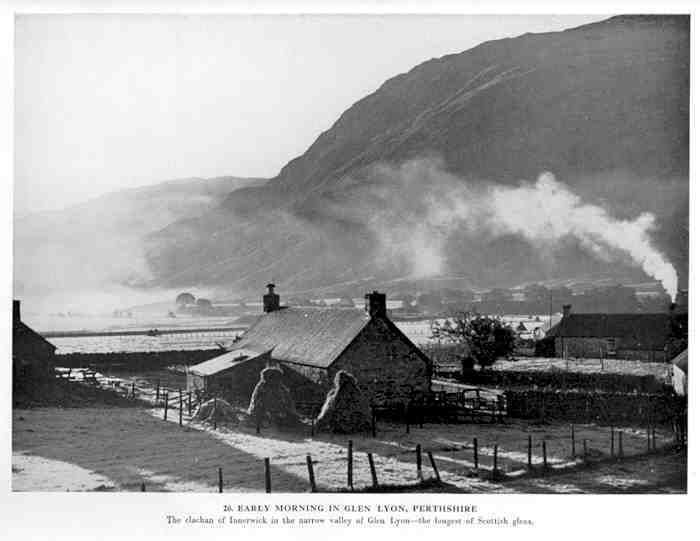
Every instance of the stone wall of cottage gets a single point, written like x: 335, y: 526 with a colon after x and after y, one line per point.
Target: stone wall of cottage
x: 385, y: 366
x: 592, y: 348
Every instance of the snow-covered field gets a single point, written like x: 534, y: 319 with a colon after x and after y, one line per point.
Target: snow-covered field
x: 119, y: 448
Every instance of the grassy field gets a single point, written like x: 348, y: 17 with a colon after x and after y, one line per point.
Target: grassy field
x: 119, y: 448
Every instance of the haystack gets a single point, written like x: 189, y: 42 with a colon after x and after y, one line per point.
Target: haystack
x: 216, y: 410
x: 271, y: 400
x: 346, y: 409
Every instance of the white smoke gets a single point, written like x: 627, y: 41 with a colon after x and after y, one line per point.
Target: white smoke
x: 425, y: 204
x: 548, y: 211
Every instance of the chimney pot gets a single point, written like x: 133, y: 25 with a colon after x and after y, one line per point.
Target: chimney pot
x: 566, y: 310
x: 375, y: 304
x: 271, y: 300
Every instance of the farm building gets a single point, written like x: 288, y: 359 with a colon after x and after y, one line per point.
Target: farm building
x: 644, y: 337
x: 311, y: 344
x: 679, y: 367
x: 32, y: 354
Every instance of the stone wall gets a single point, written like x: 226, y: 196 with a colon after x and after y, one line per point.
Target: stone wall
x: 593, y: 407
x: 139, y: 361
x: 592, y: 348
x: 385, y: 366
x: 562, y: 380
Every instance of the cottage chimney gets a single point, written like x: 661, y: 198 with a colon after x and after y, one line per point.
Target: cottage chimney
x: 375, y: 304
x: 566, y: 310
x: 271, y: 300
x: 16, y: 312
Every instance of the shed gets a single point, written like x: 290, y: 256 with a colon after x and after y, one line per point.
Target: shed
x: 32, y: 355
x: 232, y: 375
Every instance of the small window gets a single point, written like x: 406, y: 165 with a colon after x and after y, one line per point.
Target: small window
x: 611, y: 344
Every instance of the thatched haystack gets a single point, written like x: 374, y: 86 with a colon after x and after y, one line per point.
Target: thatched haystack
x: 271, y: 401
x: 346, y: 409
x: 218, y: 411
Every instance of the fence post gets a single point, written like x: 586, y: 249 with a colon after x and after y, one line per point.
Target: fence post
x: 133, y: 390
x: 476, y: 455
x: 350, y: 465
x: 573, y: 442
x: 612, y: 441
x: 372, y: 470
x: 189, y: 403
x: 165, y: 410
x: 419, y: 462
x: 619, y: 444
x: 494, y: 474
x: 544, y: 457
x: 374, y: 422
x: 268, y: 479
x: 432, y: 463
x: 529, y: 451
x: 143, y: 486
x: 180, y: 407
x: 310, y: 467
x: 221, y: 481
x: 157, y: 391
x: 214, y: 411
x: 408, y: 422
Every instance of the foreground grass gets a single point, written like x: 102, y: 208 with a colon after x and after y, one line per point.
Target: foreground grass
x: 117, y: 448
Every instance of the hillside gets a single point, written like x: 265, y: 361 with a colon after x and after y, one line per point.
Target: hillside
x: 101, y: 241
x: 604, y: 107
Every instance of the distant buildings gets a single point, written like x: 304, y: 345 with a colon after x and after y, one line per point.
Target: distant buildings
x: 644, y: 337
x: 311, y: 344
x: 32, y: 354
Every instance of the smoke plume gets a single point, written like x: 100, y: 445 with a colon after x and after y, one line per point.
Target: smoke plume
x: 414, y: 209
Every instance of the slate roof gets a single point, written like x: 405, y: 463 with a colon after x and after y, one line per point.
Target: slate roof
x: 649, y: 330
x: 223, y: 362
x: 304, y: 335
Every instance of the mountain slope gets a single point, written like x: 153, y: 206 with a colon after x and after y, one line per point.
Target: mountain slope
x: 100, y: 241
x: 604, y: 107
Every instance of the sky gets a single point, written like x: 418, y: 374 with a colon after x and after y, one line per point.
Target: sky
x: 105, y: 102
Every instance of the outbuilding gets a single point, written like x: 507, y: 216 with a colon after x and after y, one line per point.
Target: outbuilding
x: 32, y: 355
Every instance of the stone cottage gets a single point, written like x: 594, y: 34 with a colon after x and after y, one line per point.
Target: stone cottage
x: 311, y: 344
x: 643, y: 337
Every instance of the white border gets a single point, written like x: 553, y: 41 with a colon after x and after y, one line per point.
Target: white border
x: 115, y: 516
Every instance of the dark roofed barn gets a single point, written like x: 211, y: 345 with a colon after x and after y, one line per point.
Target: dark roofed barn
x: 643, y: 337
x: 311, y: 344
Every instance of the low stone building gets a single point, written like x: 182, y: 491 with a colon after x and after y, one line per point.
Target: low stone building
x: 32, y: 355
x: 311, y: 344
x: 232, y: 375
x: 642, y: 337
